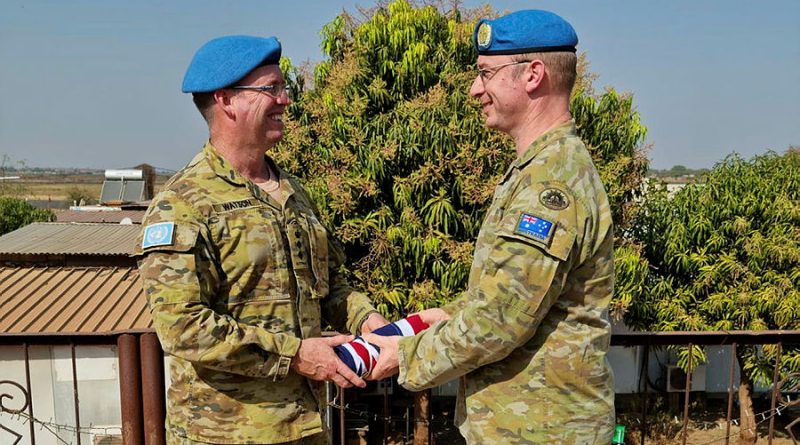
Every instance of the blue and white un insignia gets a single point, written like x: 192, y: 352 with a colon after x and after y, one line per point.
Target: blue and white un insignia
x: 534, y: 227
x: 159, y: 234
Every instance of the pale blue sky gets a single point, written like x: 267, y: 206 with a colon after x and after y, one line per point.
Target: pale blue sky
x: 96, y: 83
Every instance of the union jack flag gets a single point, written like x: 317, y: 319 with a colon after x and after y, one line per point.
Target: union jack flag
x: 529, y: 218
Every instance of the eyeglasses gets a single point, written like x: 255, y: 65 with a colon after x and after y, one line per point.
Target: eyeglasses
x: 273, y: 90
x: 487, y: 73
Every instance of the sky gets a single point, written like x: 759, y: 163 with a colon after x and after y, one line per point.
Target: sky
x: 96, y: 83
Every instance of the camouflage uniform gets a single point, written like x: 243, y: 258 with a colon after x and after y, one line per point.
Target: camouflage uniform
x: 529, y: 335
x: 241, y: 283
x: 317, y: 439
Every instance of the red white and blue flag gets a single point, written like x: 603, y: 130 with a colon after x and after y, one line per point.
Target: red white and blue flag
x: 361, y: 356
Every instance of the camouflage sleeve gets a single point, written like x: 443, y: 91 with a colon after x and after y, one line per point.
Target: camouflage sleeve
x: 456, y: 305
x: 345, y: 309
x: 176, y: 280
x: 522, y: 278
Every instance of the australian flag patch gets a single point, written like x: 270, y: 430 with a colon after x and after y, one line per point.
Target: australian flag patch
x: 534, y: 227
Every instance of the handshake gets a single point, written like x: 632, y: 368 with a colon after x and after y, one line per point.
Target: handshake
x: 362, y: 356
x: 346, y: 360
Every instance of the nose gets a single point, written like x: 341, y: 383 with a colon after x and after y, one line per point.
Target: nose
x: 284, y: 97
x: 477, y: 87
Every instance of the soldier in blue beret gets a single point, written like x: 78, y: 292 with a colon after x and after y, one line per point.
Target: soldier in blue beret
x: 239, y: 272
x: 529, y: 336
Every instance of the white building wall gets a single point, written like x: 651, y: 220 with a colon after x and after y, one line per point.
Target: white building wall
x: 52, y: 391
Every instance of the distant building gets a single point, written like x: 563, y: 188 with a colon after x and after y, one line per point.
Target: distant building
x: 673, y: 184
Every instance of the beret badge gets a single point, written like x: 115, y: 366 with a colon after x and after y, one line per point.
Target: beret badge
x: 484, y: 35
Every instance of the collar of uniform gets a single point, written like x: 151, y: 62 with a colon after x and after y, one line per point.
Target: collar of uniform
x: 283, y: 177
x: 536, y: 147
x: 222, y: 167
x: 225, y: 170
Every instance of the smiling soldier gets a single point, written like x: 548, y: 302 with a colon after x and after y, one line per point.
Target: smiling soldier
x: 240, y: 274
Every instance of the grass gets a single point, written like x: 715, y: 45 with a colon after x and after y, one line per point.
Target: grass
x: 60, y: 188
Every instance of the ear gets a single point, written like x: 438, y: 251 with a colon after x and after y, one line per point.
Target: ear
x: 535, y: 72
x: 223, y: 100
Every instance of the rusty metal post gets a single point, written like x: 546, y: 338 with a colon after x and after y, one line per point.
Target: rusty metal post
x: 730, y: 394
x: 775, y: 376
x: 153, y: 400
x: 408, y: 424
x: 422, y: 417
x: 386, y: 410
x: 130, y: 386
x: 685, y: 430
x: 644, y: 400
x: 342, y: 432
x: 28, y: 387
x: 75, y: 395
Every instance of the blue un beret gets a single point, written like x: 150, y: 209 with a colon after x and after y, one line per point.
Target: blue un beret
x: 529, y: 31
x: 225, y: 60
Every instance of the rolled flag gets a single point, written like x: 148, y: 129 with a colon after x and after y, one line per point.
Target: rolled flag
x: 361, y: 356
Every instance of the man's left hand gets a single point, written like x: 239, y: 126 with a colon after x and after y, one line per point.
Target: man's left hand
x: 388, y: 364
x: 374, y: 321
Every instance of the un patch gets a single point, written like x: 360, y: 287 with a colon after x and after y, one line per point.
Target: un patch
x: 159, y: 234
x: 536, y: 228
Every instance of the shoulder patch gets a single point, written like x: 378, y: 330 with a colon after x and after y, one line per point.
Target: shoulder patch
x: 159, y: 234
x: 535, y: 228
x: 554, y: 199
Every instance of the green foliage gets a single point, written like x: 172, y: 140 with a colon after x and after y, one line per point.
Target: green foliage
x: 677, y: 171
x: 398, y: 159
x: 612, y: 130
x: 723, y: 255
x: 77, y: 195
x: 16, y: 213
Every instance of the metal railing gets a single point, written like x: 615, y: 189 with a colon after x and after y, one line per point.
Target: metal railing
x: 141, y: 378
x: 140, y: 365
x: 734, y: 339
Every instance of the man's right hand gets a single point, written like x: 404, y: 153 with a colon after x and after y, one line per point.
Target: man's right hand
x: 316, y: 360
x: 432, y: 315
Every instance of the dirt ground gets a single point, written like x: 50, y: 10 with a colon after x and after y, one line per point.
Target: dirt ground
x: 707, y: 424
x: 711, y: 434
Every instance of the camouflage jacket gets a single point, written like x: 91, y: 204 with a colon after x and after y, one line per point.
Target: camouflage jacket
x: 234, y: 281
x: 530, y: 335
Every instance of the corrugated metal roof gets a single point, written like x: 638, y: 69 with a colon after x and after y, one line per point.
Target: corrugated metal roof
x: 38, y: 300
x: 99, y: 217
x: 71, y: 238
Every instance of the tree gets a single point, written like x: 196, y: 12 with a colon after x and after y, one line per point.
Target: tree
x: 16, y: 213
x: 79, y: 195
x: 396, y: 155
x: 724, y: 255
x: 8, y: 186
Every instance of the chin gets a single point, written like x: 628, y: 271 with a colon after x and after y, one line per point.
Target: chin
x: 274, y: 137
